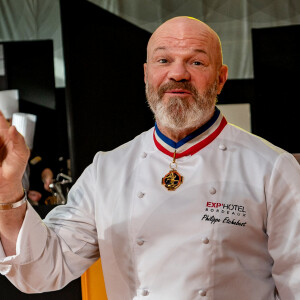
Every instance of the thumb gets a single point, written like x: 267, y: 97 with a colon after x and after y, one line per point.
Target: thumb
x: 18, y: 142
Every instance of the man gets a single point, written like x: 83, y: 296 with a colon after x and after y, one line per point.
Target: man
x: 193, y: 209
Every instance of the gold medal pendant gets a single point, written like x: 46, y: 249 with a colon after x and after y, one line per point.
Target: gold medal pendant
x: 172, y: 180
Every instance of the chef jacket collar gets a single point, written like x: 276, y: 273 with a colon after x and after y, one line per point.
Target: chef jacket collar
x: 195, y: 141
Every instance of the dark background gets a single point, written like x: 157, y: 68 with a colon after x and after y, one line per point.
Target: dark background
x: 104, y: 58
x: 276, y: 105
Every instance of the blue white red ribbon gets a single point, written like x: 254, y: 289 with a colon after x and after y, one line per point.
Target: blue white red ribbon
x: 195, y: 141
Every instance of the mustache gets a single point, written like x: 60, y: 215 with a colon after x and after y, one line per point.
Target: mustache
x: 177, y: 85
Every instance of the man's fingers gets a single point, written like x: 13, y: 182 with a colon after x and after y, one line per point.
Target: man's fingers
x: 3, y: 123
x: 18, y: 141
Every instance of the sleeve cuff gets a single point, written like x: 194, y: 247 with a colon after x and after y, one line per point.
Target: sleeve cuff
x: 31, y: 239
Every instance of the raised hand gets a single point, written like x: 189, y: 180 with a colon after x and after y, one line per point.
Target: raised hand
x: 14, y: 156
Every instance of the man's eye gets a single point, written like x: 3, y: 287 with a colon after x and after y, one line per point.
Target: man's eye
x: 197, y: 63
x: 163, y: 61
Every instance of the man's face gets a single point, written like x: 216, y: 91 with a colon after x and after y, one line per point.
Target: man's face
x: 178, y: 112
x: 182, y: 76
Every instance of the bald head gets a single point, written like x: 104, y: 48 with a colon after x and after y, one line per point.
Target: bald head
x: 183, y: 75
x: 182, y: 28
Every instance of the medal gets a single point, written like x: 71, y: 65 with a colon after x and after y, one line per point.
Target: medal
x: 172, y: 180
x: 188, y: 146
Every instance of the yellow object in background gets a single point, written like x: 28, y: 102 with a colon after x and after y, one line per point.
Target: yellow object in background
x: 35, y: 160
x: 92, y: 283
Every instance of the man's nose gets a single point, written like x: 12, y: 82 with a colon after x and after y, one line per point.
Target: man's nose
x: 179, y: 72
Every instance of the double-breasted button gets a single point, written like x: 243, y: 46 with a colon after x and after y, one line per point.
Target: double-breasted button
x: 222, y: 147
x: 143, y: 292
x: 212, y: 190
x: 140, y: 242
x: 140, y: 194
x: 144, y: 155
x: 205, y: 240
x: 202, y: 292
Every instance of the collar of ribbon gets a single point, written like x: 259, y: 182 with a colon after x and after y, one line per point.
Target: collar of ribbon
x: 195, y: 141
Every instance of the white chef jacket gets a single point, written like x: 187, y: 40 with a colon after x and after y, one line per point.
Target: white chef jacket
x: 231, y: 231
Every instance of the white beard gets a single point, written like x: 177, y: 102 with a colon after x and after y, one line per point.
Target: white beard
x: 178, y: 113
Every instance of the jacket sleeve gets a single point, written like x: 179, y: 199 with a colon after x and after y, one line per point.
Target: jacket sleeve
x: 51, y: 253
x: 283, y: 225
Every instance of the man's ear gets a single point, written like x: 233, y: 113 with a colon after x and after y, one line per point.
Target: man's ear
x: 223, y: 74
x: 145, y: 72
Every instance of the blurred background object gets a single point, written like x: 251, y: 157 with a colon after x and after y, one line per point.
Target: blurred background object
x: 9, y: 103
x: 25, y: 124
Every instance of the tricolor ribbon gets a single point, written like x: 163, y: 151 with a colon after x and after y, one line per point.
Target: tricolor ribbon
x: 195, y: 141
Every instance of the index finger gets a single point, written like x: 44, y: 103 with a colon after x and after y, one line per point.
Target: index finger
x: 3, y: 122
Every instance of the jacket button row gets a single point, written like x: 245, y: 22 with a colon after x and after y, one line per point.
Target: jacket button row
x: 205, y: 240
x: 140, y: 242
x: 143, y: 292
x: 212, y: 190
x: 222, y: 147
x: 140, y: 194
x: 202, y: 292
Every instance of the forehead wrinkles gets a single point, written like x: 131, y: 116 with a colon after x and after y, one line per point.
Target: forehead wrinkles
x: 186, y: 42
x: 203, y: 41
x: 180, y: 45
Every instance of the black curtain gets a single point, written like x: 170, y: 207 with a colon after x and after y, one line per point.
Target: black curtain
x: 276, y: 106
x: 106, y: 102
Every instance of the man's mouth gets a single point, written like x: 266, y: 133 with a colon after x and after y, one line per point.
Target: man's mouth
x: 178, y: 92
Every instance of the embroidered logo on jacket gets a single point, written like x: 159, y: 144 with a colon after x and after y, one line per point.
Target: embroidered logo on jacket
x: 233, y: 214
